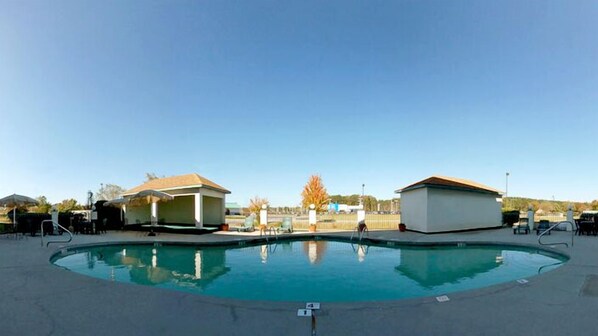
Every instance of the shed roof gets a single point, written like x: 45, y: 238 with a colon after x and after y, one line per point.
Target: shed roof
x: 449, y: 182
x: 177, y: 182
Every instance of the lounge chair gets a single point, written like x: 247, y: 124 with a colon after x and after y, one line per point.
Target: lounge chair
x: 103, y: 225
x: 543, y: 225
x: 585, y: 227
x: 17, y: 231
x: 521, y: 227
x: 247, y: 225
x: 286, y: 226
x: 578, y: 231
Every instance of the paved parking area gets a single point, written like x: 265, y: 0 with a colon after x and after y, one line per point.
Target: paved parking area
x: 37, y: 298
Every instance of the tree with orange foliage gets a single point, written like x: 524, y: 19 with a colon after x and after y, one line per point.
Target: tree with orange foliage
x: 315, y: 193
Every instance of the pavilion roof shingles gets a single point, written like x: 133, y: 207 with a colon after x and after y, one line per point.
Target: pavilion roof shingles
x: 177, y: 182
x: 445, y: 181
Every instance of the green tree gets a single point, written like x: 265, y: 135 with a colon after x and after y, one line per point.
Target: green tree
x: 68, y: 205
x: 370, y: 203
x: 109, y: 192
x: 43, y: 206
x: 579, y: 207
x: 559, y: 207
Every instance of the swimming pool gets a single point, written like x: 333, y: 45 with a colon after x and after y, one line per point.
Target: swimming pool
x: 310, y: 270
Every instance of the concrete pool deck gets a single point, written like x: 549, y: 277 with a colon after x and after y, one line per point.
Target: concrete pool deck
x: 37, y: 298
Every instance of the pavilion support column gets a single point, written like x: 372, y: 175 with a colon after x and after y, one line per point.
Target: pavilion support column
x: 223, y: 200
x: 154, y: 217
x: 198, y: 211
x: 530, y: 218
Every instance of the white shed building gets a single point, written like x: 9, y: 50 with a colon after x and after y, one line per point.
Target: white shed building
x: 445, y: 204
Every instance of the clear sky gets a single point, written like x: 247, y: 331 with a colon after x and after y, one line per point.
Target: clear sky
x: 259, y: 95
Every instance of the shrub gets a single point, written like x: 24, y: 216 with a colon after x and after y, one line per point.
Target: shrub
x: 30, y: 222
x: 510, y: 217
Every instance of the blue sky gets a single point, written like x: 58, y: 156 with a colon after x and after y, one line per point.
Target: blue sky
x: 259, y: 95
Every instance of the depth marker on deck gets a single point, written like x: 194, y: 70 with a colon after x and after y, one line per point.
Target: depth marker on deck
x: 309, y: 311
x: 312, y: 305
x: 522, y: 281
x: 304, y: 312
x: 442, y: 298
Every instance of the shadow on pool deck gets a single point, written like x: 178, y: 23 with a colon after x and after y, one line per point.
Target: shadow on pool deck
x: 38, y: 298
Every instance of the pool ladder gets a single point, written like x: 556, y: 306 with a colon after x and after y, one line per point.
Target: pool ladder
x: 269, y: 232
x: 361, y: 232
x: 363, y: 249
x: 60, y: 227
x: 551, y: 228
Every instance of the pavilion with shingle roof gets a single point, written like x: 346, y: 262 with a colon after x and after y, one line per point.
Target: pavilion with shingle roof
x: 444, y: 204
x: 197, y: 202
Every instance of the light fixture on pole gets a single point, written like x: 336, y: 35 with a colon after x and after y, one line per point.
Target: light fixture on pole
x: 506, y: 187
x: 361, y: 200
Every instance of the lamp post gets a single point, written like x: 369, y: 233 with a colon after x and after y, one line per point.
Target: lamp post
x: 361, y: 199
x: 506, y: 188
x: 89, y: 199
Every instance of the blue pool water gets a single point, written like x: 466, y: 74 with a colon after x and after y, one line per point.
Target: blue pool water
x: 317, y: 270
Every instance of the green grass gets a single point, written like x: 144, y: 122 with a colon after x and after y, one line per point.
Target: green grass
x: 348, y: 222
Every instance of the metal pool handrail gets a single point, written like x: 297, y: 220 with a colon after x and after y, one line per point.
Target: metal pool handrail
x: 359, y: 232
x: 550, y: 229
x: 55, y: 241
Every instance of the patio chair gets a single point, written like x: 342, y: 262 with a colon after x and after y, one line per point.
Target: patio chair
x: 521, y: 227
x: 286, y: 226
x: 578, y: 228
x: 17, y: 231
x: 247, y: 225
x: 587, y: 227
x: 543, y: 225
x: 103, y: 225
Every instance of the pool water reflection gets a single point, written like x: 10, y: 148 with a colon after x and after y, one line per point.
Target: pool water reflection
x: 319, y: 270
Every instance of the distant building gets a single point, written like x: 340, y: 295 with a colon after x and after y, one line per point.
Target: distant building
x: 233, y: 209
x: 445, y: 204
x: 335, y: 207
